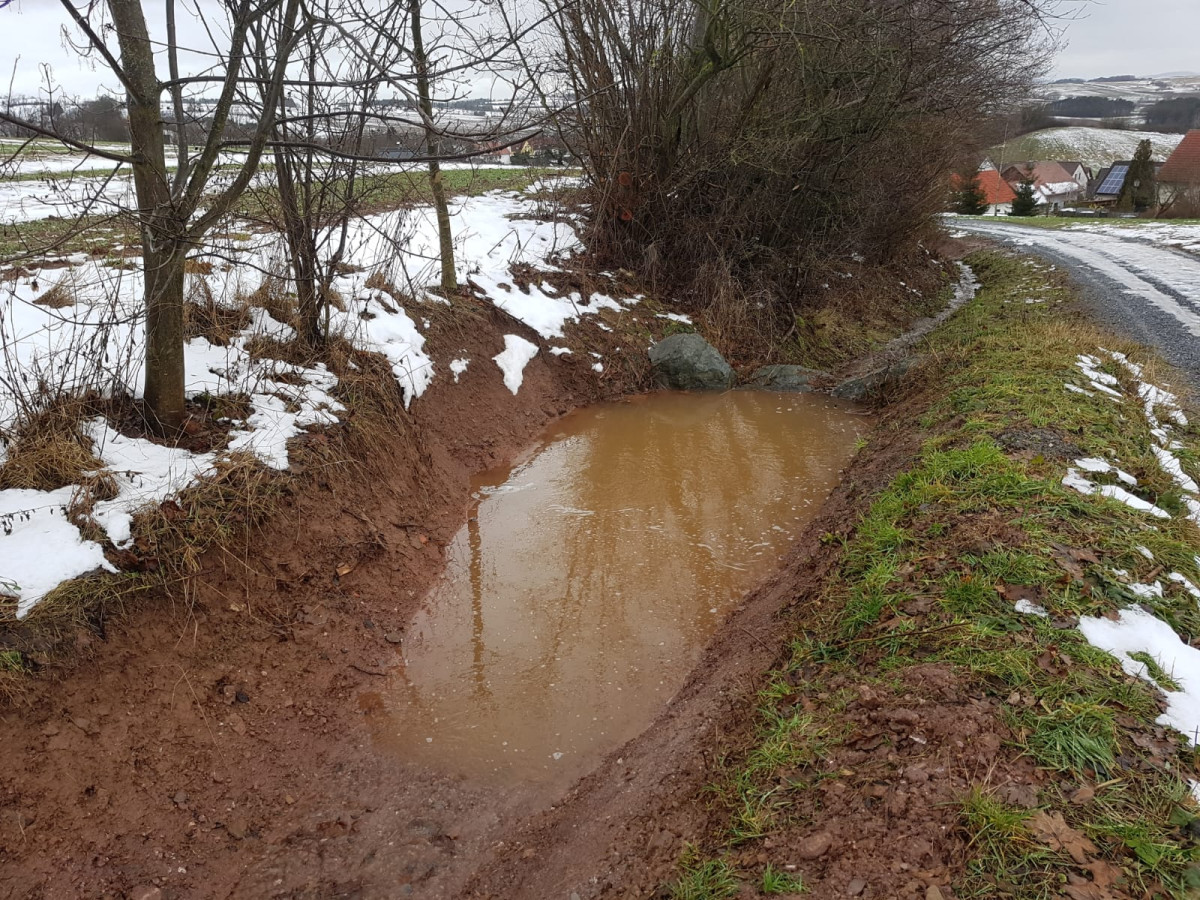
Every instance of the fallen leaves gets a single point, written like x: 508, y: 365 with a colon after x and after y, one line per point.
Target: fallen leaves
x: 1105, y: 878
x: 1052, y: 830
x: 1071, y: 559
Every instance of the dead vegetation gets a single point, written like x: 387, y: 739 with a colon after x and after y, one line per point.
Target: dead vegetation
x: 204, y: 316
x: 216, y: 515
x: 57, y: 296
x: 738, y: 154
x: 47, y: 451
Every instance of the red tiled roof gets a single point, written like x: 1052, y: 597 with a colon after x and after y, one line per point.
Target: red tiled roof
x: 1183, y: 166
x: 995, y: 188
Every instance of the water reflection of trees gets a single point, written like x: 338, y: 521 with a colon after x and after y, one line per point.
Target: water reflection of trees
x: 583, y: 602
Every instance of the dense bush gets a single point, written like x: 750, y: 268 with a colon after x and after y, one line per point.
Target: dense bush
x: 737, y: 148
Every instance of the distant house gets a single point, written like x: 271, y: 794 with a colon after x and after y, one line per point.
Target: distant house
x: 1107, y: 185
x: 997, y: 191
x: 1078, y: 171
x: 1179, y: 177
x: 1053, y: 185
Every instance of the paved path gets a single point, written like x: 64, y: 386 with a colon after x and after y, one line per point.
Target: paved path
x: 1150, y: 293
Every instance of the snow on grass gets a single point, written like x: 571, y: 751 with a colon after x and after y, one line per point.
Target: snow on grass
x: 94, y: 342
x: 513, y: 358
x: 145, y: 473
x: 1029, y: 608
x: 1075, y: 480
x: 1094, y: 147
x: 1137, y: 631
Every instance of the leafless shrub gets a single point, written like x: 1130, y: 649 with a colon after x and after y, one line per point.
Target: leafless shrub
x: 735, y: 150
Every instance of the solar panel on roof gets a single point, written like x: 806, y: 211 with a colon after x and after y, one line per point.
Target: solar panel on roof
x: 1115, y: 180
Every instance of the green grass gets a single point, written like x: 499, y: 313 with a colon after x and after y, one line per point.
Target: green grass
x: 700, y: 879
x: 775, y: 881
x: 930, y: 573
x: 1076, y: 736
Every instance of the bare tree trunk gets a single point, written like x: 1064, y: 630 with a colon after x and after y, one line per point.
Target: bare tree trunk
x: 162, y: 250
x: 433, y: 146
x: 301, y: 252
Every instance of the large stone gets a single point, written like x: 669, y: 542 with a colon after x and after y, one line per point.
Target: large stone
x: 793, y: 379
x: 875, y: 382
x: 687, y: 362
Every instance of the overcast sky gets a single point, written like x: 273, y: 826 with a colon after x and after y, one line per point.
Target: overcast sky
x: 1105, y: 37
x: 1131, y: 37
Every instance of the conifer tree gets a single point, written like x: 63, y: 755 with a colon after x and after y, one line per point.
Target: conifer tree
x: 1026, y: 203
x: 1140, y: 190
x: 970, y: 199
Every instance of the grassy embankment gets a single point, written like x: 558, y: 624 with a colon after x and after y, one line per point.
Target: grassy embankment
x: 923, y: 580
x: 1057, y: 222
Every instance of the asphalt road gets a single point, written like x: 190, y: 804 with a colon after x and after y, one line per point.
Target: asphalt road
x: 1150, y: 293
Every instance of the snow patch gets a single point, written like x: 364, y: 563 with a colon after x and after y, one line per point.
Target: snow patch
x: 1137, y: 631
x: 513, y: 358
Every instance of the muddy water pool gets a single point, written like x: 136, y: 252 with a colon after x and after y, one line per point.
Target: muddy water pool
x: 589, y: 577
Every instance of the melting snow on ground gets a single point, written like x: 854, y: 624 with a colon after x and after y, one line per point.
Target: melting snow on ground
x: 95, y: 343
x: 1135, y: 630
x: 513, y: 358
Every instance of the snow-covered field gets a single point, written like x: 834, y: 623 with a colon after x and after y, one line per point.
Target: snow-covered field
x: 73, y: 184
x: 97, y: 343
x: 1141, y: 91
x: 1094, y: 147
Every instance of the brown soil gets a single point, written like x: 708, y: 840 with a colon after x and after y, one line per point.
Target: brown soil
x: 221, y: 750
x: 225, y: 750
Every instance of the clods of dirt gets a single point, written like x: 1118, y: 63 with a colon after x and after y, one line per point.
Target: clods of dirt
x: 1045, y: 442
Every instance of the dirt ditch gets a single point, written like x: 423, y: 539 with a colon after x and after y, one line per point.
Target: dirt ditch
x: 227, y: 749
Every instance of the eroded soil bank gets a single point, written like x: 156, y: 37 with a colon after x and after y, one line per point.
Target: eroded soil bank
x: 217, y: 748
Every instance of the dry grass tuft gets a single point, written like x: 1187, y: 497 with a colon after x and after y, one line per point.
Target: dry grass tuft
x: 217, y: 323
x: 272, y: 295
x: 58, y: 296
x: 171, y: 539
x: 377, y: 414
x: 46, y: 451
x: 197, y: 267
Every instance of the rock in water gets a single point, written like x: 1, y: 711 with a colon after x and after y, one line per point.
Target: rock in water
x: 687, y: 362
x: 794, y: 379
x: 873, y: 383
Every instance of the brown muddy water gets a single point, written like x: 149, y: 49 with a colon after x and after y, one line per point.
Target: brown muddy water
x: 589, y: 577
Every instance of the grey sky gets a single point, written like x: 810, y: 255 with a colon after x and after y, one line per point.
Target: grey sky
x: 1106, y: 37
x: 1131, y: 37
